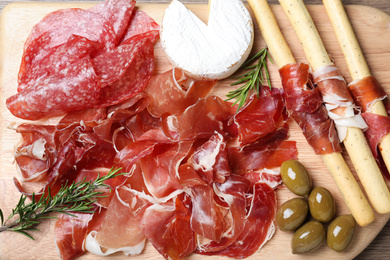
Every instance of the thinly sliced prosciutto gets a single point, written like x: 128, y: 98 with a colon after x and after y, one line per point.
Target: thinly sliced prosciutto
x: 338, y: 101
x: 366, y: 92
x: 305, y: 105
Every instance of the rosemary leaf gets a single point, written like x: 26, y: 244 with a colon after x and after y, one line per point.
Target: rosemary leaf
x: 76, y: 197
x: 252, y: 79
x: 1, y: 217
x: 24, y: 233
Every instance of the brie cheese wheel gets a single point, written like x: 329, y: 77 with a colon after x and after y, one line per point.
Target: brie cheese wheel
x: 212, y: 51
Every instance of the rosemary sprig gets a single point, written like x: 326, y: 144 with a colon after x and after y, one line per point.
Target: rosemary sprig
x: 76, y: 197
x: 253, y: 79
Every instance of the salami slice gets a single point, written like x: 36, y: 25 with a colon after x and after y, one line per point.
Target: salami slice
x: 66, y: 22
x: 125, y: 71
x: 77, y: 84
x: 141, y: 23
x: 117, y: 13
x: 42, y: 61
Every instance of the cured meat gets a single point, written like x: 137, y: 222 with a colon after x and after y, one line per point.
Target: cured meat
x: 67, y: 22
x: 338, y: 101
x: 132, y: 64
x: 259, y: 225
x: 168, y: 228
x: 305, y: 106
x: 366, y: 91
x: 172, y: 92
x: 37, y: 102
x: 211, y: 160
x: 267, y: 152
x: 160, y: 168
x: 379, y: 126
x: 201, y: 120
x: 39, y: 61
x: 117, y: 13
x: 141, y: 23
x: 70, y: 232
x: 37, y: 152
x: 261, y: 115
x: 233, y: 192
x: 126, y: 209
x: 207, y: 219
x: 112, y: 65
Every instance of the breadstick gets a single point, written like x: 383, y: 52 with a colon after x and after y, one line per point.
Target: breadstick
x: 355, y: 142
x: 281, y: 53
x: 356, y: 62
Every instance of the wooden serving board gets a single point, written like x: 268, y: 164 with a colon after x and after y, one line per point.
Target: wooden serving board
x: 372, y: 29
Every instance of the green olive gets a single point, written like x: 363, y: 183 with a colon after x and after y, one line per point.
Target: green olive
x: 308, y: 237
x: 340, y: 232
x: 296, y: 178
x: 321, y: 204
x: 292, y: 214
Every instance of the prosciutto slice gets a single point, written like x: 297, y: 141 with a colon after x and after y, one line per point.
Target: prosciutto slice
x: 268, y: 152
x: 260, y: 116
x: 201, y: 120
x: 120, y: 229
x: 366, y: 92
x: 172, y: 92
x: 211, y: 160
x: 168, y: 228
x: 70, y: 232
x: 338, y: 101
x: 37, y: 152
x: 259, y: 226
x: 305, y: 105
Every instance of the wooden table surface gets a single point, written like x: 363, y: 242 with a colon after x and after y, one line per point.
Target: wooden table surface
x: 379, y: 248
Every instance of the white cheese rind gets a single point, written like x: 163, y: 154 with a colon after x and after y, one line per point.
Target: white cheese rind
x: 212, y: 51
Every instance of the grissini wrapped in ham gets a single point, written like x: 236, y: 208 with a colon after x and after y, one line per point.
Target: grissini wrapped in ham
x: 349, y: 188
x: 355, y: 141
x: 305, y: 105
x: 338, y: 101
x: 366, y: 90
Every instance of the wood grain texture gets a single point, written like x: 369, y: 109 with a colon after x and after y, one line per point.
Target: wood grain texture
x: 377, y: 58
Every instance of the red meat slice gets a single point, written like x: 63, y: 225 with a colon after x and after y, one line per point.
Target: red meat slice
x: 121, y: 225
x: 207, y: 219
x: 168, y: 228
x: 37, y: 152
x: 39, y: 61
x: 233, y: 192
x: 141, y: 23
x: 124, y: 71
x: 117, y: 13
x: 201, y: 120
x: 172, y: 92
x: 260, y: 116
x: 66, y: 22
x: 211, y: 160
x: 259, y: 226
x: 268, y: 152
x: 366, y: 91
x: 70, y: 232
x: 161, y: 167
x: 77, y: 84
x: 305, y: 106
